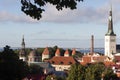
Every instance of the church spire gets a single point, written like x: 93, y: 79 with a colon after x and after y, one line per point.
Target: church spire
x: 23, y: 43
x: 22, y: 53
x: 110, y: 24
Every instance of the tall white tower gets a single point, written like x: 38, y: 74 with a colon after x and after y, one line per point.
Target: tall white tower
x: 110, y: 38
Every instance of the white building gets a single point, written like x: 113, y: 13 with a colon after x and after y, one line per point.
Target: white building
x: 45, y: 54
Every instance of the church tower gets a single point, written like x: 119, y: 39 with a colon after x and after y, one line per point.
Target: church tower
x: 22, y: 53
x: 110, y: 38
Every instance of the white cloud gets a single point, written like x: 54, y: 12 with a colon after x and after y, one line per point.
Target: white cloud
x: 7, y: 17
x: 80, y: 15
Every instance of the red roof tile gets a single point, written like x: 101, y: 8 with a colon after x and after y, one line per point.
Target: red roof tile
x: 46, y: 51
x: 99, y: 58
x: 73, y: 52
x: 66, y: 52
x: 57, y: 51
x: 62, y: 60
x: 109, y: 63
x: 86, y: 59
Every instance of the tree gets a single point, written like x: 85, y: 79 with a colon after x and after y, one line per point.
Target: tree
x: 51, y: 77
x: 36, y: 69
x: 99, y: 70
x: 109, y: 75
x: 34, y: 8
x: 94, y: 71
x: 11, y: 68
x: 76, y: 72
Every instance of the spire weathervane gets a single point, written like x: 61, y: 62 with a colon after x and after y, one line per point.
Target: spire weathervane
x: 110, y: 23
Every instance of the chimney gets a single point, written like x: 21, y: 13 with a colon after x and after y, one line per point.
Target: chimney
x: 92, y: 45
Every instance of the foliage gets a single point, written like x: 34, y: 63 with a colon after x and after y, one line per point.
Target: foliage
x: 36, y: 69
x: 94, y: 71
x: 27, y: 50
x: 34, y: 8
x: 76, y: 72
x: 51, y: 77
x: 108, y: 75
x: 91, y: 72
x: 11, y: 68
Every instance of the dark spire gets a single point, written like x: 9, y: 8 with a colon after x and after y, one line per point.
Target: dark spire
x: 110, y: 25
x: 23, y: 43
x: 22, y: 51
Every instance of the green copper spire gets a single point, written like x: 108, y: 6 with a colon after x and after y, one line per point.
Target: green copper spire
x: 110, y: 25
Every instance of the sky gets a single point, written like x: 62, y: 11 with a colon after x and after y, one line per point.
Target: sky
x: 66, y: 28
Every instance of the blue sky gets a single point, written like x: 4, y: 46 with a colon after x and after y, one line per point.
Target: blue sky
x: 67, y: 28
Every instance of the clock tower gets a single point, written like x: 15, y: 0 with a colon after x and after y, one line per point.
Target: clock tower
x: 110, y: 38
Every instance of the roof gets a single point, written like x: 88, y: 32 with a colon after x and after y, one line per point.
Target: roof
x: 99, y: 58
x: 46, y: 51
x: 86, y: 59
x: 61, y: 60
x: 73, y: 52
x: 66, y: 52
x: 109, y: 63
x: 110, y: 26
x: 90, y: 59
x: 57, y: 51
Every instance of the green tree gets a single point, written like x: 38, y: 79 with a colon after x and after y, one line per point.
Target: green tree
x: 95, y: 71
x: 109, y: 75
x: 51, y: 77
x: 34, y: 8
x: 36, y: 69
x: 11, y: 68
x: 76, y: 72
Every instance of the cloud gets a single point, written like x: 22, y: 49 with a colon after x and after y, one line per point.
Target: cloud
x: 81, y: 15
x: 10, y: 17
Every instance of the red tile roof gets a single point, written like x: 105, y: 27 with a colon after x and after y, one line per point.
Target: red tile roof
x: 73, y: 52
x: 61, y: 60
x: 109, y: 63
x: 66, y: 52
x: 99, y: 58
x: 57, y: 51
x: 86, y: 59
x: 46, y: 51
